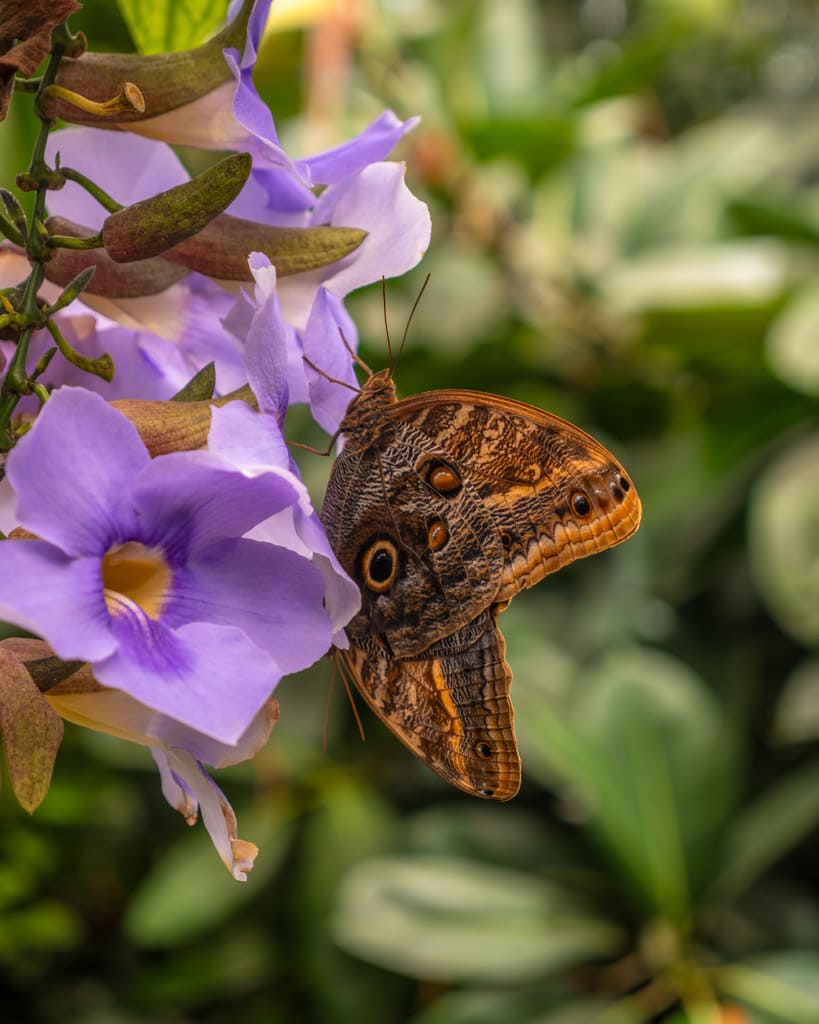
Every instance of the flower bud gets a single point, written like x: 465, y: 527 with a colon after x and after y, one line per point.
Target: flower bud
x: 113, y: 280
x: 175, y: 426
x: 221, y: 249
x: 167, y: 81
x: 154, y: 225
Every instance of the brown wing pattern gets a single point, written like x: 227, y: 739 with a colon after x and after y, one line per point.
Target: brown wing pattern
x: 450, y: 705
x: 442, y: 507
x: 378, y: 493
x: 532, y: 471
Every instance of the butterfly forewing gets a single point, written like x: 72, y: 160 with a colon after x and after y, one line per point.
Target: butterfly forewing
x: 555, y: 493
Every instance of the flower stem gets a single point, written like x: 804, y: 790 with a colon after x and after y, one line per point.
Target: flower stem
x: 36, y: 249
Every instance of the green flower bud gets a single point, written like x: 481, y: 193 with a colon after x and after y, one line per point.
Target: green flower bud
x: 154, y: 225
x: 113, y: 280
x: 167, y: 81
x: 221, y: 249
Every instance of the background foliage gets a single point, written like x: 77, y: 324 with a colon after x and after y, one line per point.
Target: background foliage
x: 625, y: 201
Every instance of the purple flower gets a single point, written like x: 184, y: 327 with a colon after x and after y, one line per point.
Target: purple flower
x: 179, y: 753
x: 255, y: 446
x: 319, y: 326
x: 142, y: 568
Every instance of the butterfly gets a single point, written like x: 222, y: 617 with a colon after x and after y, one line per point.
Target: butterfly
x: 443, y: 506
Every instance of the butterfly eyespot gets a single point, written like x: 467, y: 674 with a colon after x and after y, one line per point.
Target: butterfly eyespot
x: 487, y: 792
x: 442, y: 478
x: 581, y: 504
x: 506, y: 539
x: 437, y: 534
x: 625, y: 485
x: 483, y: 750
x: 380, y: 565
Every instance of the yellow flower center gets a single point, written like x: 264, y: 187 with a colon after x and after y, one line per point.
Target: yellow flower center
x: 133, y: 574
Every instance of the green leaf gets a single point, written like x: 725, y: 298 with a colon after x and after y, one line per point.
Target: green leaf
x: 190, y: 892
x: 162, y: 26
x: 796, y: 719
x: 784, y: 815
x: 516, y: 1006
x: 200, y: 387
x: 448, y: 918
x: 784, y: 539
x: 645, y: 754
x: 791, y: 342
x: 783, y: 986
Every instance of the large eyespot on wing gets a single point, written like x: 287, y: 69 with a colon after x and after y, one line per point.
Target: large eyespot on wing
x: 419, y: 542
x: 450, y: 706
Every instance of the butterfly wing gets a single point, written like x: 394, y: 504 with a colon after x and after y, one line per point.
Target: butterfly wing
x: 554, y: 493
x: 426, y: 560
x: 449, y: 705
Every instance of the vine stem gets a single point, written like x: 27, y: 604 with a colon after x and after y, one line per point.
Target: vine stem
x: 36, y: 250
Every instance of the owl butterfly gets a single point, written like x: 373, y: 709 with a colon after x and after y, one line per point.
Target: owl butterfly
x: 442, y: 507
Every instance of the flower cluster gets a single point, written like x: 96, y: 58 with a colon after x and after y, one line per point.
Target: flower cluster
x: 185, y: 571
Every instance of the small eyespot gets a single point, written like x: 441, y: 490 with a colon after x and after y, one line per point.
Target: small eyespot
x: 380, y: 565
x: 506, y: 539
x: 437, y: 534
x: 624, y: 483
x: 442, y: 478
x: 580, y: 504
x: 487, y: 792
x: 483, y: 750
x: 617, y: 493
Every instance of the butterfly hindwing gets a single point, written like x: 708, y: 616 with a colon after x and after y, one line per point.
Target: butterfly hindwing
x: 449, y: 705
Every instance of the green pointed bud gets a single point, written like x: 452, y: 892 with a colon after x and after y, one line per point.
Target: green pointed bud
x: 154, y: 225
x: 72, y: 290
x: 16, y: 213
x: 176, y: 426
x: 221, y: 249
x: 199, y: 388
x: 113, y: 280
x: 167, y: 81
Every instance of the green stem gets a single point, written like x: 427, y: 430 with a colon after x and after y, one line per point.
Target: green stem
x: 103, y: 366
x: 69, y: 242
x: 36, y: 250
x: 93, y: 189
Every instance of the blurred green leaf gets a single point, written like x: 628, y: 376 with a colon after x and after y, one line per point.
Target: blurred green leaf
x: 159, y: 26
x: 783, y: 986
x: 168, y: 908
x: 765, y: 831
x: 784, y: 539
x: 536, y: 143
x: 487, y: 1006
x: 796, y: 719
x: 791, y: 342
x: 646, y: 753
x: 453, y: 919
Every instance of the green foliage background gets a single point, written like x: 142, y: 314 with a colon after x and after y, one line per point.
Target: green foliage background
x: 625, y: 203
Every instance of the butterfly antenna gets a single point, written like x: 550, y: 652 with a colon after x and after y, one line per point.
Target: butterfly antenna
x: 412, y: 314
x: 355, y: 356
x: 387, y: 323
x: 326, y: 375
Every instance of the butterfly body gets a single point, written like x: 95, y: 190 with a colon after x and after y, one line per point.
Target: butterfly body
x: 442, y: 506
